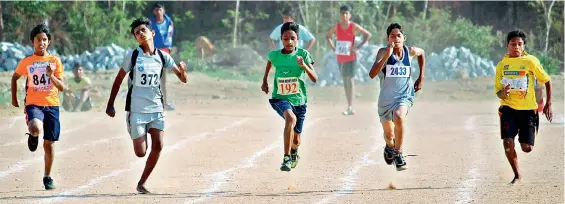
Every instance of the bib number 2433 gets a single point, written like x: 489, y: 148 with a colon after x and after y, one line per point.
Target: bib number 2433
x: 397, y: 71
x: 287, y: 86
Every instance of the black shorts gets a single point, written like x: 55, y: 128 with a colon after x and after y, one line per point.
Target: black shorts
x: 524, y: 123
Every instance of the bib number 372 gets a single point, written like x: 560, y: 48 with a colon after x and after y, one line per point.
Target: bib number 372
x: 288, y: 86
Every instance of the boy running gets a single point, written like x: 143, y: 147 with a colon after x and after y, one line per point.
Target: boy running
x: 44, y: 81
x: 518, y: 111
x: 345, y: 50
x: 289, y: 96
x: 144, y: 102
x: 397, y: 90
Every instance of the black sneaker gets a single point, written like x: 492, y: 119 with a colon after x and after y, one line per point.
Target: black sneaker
x: 32, y: 142
x: 48, y: 183
x: 399, y: 161
x: 388, y: 155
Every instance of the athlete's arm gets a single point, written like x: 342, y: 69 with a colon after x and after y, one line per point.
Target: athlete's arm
x: 547, y: 108
x: 271, y: 43
x: 366, y: 35
x: 265, y: 85
x: 380, y: 61
x: 419, y: 52
x: 310, y: 71
x: 14, y: 85
x: 115, y: 88
x: 180, y: 71
x: 329, y: 37
x: 58, y: 82
x: 311, y: 44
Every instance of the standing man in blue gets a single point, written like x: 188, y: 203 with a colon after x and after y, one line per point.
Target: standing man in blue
x: 396, y: 90
x: 303, y: 35
x: 163, y: 27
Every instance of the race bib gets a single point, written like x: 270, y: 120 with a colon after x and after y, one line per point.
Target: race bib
x: 38, y: 78
x: 148, y: 75
x: 517, y: 84
x: 343, y: 48
x: 398, y: 71
x: 288, y: 85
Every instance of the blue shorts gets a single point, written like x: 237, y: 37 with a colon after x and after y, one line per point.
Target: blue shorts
x: 300, y: 111
x: 49, y: 115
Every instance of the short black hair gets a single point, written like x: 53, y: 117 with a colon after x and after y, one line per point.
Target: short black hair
x: 345, y: 8
x: 290, y: 26
x: 516, y: 33
x: 77, y: 65
x: 138, y: 22
x: 288, y: 12
x: 394, y: 26
x: 40, y: 28
x: 158, y: 5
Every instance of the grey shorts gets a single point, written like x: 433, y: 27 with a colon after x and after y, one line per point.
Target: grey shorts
x: 347, y: 69
x: 138, y: 124
x: 387, y: 114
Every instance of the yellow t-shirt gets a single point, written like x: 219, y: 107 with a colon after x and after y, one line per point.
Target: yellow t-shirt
x: 74, y: 85
x: 520, y: 73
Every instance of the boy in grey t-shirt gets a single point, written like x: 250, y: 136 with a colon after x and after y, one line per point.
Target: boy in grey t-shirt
x: 144, y: 103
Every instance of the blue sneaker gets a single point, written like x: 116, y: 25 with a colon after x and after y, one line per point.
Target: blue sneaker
x: 170, y: 107
x: 286, y: 164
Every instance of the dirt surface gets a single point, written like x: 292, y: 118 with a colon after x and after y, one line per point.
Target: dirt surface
x: 223, y: 144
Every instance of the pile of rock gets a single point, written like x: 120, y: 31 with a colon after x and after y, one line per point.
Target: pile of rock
x: 451, y: 63
x: 102, y: 58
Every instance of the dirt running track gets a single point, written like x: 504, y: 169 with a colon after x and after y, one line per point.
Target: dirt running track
x: 226, y: 152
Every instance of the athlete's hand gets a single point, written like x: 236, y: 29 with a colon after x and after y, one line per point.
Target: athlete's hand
x: 300, y: 61
x: 182, y: 67
x: 15, y: 103
x: 547, y: 111
x: 506, y: 92
x: 110, y: 111
x: 354, y: 49
x: 265, y: 87
x: 49, y: 69
x: 418, y: 85
x: 389, y: 49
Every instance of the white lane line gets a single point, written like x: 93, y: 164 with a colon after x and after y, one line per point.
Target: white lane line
x: 137, y: 163
x: 221, y: 177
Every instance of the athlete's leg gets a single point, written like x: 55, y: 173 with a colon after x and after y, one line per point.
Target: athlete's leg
x: 399, y: 125
x: 51, y: 127
x: 508, y: 131
x: 156, y: 147
x: 34, y: 121
x: 388, y: 129
x: 290, y: 122
x: 347, y: 74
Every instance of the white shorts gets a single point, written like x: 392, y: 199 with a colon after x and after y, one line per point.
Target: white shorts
x: 138, y: 124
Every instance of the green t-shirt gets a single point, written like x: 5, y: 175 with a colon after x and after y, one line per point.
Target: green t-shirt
x: 289, y: 76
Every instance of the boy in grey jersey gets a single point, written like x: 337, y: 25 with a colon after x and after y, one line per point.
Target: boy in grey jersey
x: 144, y: 103
x: 397, y: 89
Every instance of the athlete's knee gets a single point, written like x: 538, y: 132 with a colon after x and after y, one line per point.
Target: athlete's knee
x: 526, y: 148
x: 34, y: 127
x: 140, y: 152
x: 508, y: 144
x: 290, y: 118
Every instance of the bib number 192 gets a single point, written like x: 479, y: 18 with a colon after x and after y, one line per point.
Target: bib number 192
x: 287, y: 86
